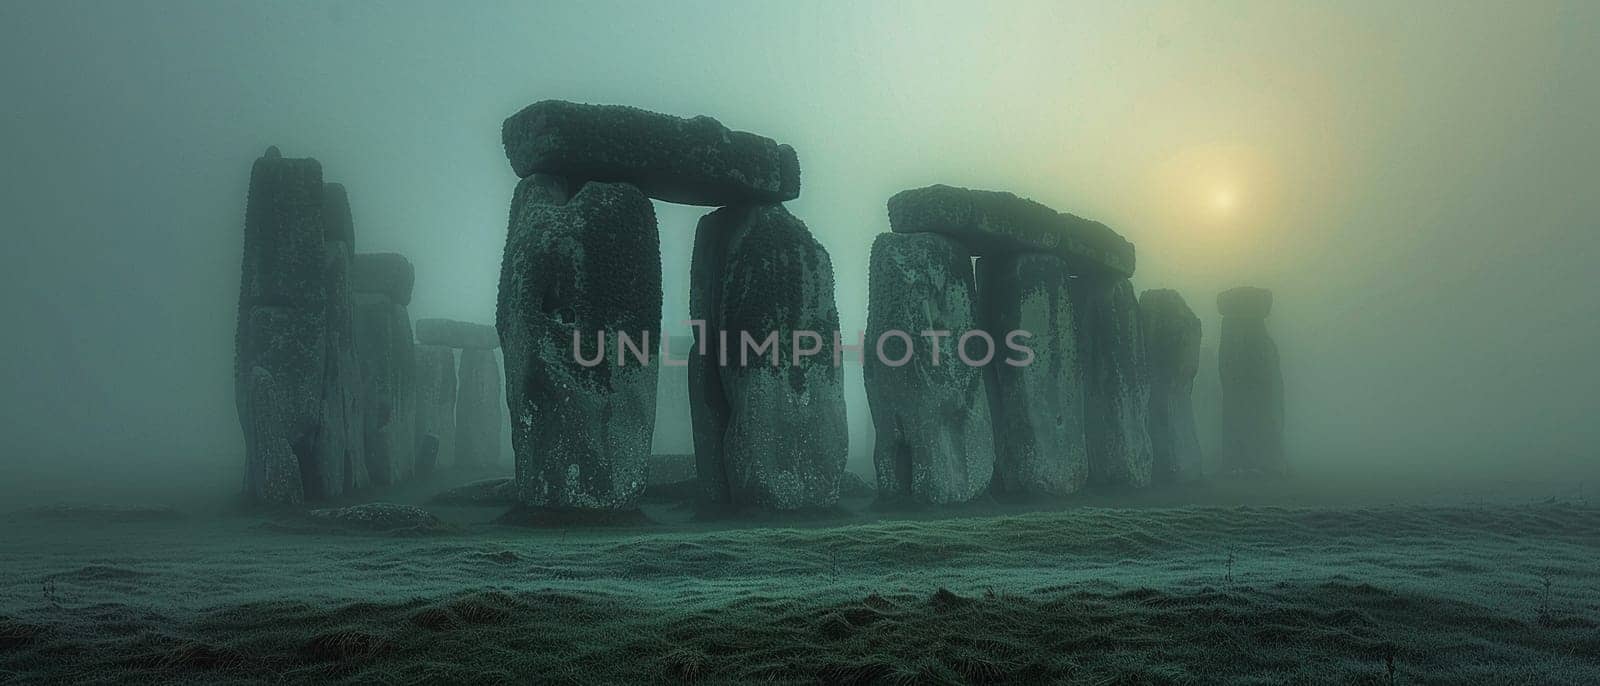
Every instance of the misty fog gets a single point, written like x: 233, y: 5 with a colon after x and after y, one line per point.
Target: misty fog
x: 1414, y: 181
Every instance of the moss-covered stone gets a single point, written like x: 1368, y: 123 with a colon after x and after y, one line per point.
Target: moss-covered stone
x: 993, y: 223
x: 934, y: 443
x: 1118, y: 385
x: 1038, y: 408
x: 587, y: 265
x: 1172, y: 344
x: 774, y: 435
x: 694, y: 161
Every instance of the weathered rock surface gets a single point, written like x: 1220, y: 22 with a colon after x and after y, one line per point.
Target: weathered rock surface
x: 1037, y: 408
x: 772, y: 429
x: 591, y: 264
x: 272, y: 473
x: 934, y: 439
x: 1172, y: 344
x: 992, y: 223
x: 388, y: 378
x: 341, y: 445
x: 282, y: 329
x: 436, y: 399
x: 1118, y: 386
x: 1251, y: 383
x: 692, y: 161
x: 384, y: 273
x: 478, y: 410
x: 455, y: 334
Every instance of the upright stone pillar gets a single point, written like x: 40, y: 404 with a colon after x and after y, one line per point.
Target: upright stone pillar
x: 1038, y: 407
x: 343, y: 444
x: 579, y: 271
x: 293, y: 326
x: 436, y: 402
x: 1251, y: 384
x: 1172, y: 343
x: 478, y: 410
x: 384, y: 345
x: 1118, y: 386
x: 770, y: 423
x: 934, y: 443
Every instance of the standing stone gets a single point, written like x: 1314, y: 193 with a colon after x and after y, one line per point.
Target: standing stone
x: 1118, y: 386
x: 934, y: 439
x: 272, y: 473
x: 478, y: 410
x: 342, y: 444
x: 772, y: 428
x: 587, y: 267
x: 1038, y: 408
x: 692, y: 161
x: 436, y: 400
x: 291, y: 312
x: 385, y: 348
x: 1172, y: 343
x: 1251, y: 384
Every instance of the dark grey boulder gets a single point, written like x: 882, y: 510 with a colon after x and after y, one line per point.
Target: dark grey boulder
x: 1037, y: 408
x: 770, y: 430
x: 341, y: 444
x: 284, y: 249
x: 1251, y: 385
x: 385, y: 349
x: 991, y: 223
x: 934, y: 443
x: 1172, y: 344
x: 454, y: 334
x: 478, y: 406
x: 436, y: 399
x: 694, y: 161
x: 386, y: 274
x: 592, y: 264
x: 1117, y: 386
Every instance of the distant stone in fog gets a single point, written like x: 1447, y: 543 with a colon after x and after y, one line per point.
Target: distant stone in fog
x: 478, y: 410
x: 455, y: 334
x: 388, y: 375
x: 385, y: 273
x: 436, y: 399
x: 590, y: 264
x: 934, y: 439
x: 770, y: 433
x: 1038, y: 408
x: 993, y: 223
x: 1172, y: 342
x: 692, y: 161
x: 1251, y: 384
x: 1118, y: 385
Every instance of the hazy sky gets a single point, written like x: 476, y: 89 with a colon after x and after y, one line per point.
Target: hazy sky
x: 1416, y: 181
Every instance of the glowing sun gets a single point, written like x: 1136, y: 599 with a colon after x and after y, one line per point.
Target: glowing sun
x: 1223, y: 200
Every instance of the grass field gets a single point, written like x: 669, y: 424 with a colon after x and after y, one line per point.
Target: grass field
x: 1158, y: 592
